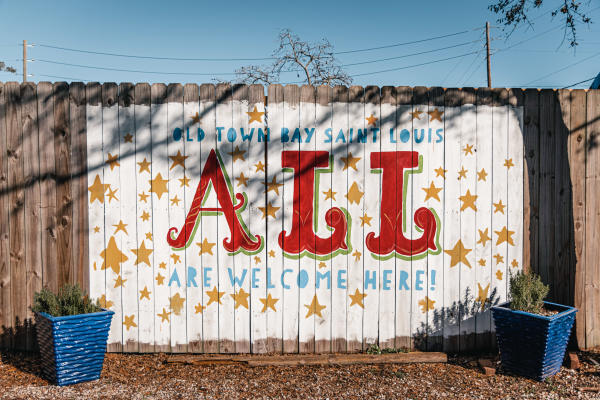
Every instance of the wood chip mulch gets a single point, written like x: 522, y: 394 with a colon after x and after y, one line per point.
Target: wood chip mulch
x: 150, y: 377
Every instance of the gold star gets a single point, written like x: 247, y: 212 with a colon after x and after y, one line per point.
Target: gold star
x: 458, y: 254
x: 499, y: 258
x: 121, y: 227
x: 176, y: 303
x: 273, y: 185
x: 149, y: 236
x: 162, y: 265
x: 483, y: 237
x: 468, y: 149
x: 112, y: 194
x: 514, y: 263
x: 272, y: 253
x: 113, y: 161
x: 505, y: 236
x: 354, y: 194
x: 129, y: 321
x: 322, y: 264
x: 214, y: 296
x: 330, y: 194
x: 268, y: 302
x: 416, y: 114
x: 143, y: 254
x: 499, y: 275
x: 96, y: 229
x: 199, y: 308
x: 120, y: 281
x: 143, y: 197
x: 269, y: 210
x: 178, y: 159
x: 356, y: 255
x: 105, y: 303
x: 128, y: 138
x: 164, y: 316
x: 482, y: 297
x: 175, y: 201
x: 97, y: 190
x: 185, y: 181
x: 468, y: 201
x: 176, y: 258
x: 508, y: 163
x: 371, y: 120
x: 112, y: 256
x: 314, y: 308
x: 440, y: 172
x: 238, y: 154
x: 435, y: 114
x: 205, y: 247
x: 195, y: 119
x: 482, y: 262
x: 160, y: 279
x: 145, y: 293
x: 144, y: 166
x: 499, y: 207
x: 462, y: 173
x: 426, y: 304
x: 145, y: 216
x: 256, y: 259
x: 255, y: 115
x: 432, y: 192
x: 357, y: 298
x: 158, y: 185
x: 242, y: 180
x: 350, y: 162
x: 240, y: 298
x: 259, y: 166
x: 481, y: 175
x: 365, y: 219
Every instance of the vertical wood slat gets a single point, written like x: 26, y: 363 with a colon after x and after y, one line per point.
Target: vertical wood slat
x: 531, y: 180
x: 78, y: 148
x: 45, y: 100
x: 546, y: 191
x: 14, y: 149
x: 562, y: 200
x: 64, y: 201
x: 592, y: 223
x: 577, y: 162
x: 31, y: 169
x: 5, y: 282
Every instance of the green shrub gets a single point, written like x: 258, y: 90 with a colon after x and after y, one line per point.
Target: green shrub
x: 527, y: 292
x: 70, y: 300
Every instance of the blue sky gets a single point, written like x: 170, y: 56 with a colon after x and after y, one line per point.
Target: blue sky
x: 225, y: 29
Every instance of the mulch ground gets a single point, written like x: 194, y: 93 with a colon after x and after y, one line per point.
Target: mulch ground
x: 150, y: 377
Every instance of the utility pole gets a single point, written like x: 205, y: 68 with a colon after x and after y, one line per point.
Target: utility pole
x: 487, y: 45
x: 24, y: 60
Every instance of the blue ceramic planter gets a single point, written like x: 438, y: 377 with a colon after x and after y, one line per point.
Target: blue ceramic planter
x: 533, y: 345
x: 72, y: 347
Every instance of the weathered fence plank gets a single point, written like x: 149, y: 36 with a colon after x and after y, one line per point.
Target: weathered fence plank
x: 6, y: 318
x: 31, y: 170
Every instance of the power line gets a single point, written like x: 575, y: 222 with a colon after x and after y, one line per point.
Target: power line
x: 410, y: 55
x: 578, y: 83
x: 562, y: 69
x: 239, y: 59
x: 407, y: 43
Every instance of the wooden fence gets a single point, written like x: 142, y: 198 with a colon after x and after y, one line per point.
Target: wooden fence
x: 83, y: 164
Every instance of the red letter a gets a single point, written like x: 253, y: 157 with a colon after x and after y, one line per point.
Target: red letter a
x: 213, y: 173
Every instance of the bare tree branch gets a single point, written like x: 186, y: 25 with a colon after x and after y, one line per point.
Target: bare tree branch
x: 7, y: 68
x: 314, y: 61
x: 516, y: 12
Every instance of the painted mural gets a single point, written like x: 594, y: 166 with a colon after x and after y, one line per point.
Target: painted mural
x: 307, y: 224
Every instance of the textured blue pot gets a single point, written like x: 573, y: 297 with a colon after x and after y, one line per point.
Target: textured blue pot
x: 72, y: 347
x: 533, y: 345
